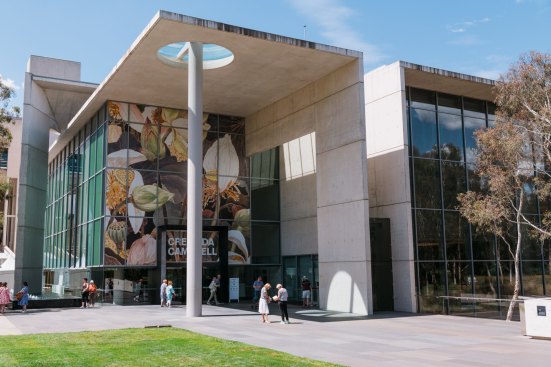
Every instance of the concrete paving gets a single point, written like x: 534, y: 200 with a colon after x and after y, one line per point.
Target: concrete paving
x: 390, y: 339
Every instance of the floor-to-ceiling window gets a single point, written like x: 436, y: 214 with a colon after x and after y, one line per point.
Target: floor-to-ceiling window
x: 125, y: 173
x: 452, y: 258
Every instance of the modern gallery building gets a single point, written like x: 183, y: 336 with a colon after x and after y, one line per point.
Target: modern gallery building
x: 421, y: 148
x: 293, y: 136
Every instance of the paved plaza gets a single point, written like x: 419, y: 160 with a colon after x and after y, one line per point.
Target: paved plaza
x: 390, y: 339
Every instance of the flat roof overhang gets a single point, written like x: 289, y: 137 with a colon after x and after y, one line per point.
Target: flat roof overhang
x: 266, y: 68
x: 444, y: 81
x: 65, y: 97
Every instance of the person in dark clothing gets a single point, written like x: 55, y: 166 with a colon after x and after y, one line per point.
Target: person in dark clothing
x: 306, y: 292
x: 281, y: 299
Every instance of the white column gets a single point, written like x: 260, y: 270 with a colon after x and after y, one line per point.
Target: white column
x: 194, y: 180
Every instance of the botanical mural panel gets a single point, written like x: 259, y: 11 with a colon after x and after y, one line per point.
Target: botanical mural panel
x: 146, y: 184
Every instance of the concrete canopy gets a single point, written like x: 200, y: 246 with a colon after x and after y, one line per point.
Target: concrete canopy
x: 65, y: 97
x: 266, y: 68
x: 425, y: 77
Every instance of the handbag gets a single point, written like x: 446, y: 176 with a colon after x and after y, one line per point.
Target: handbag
x: 19, y: 295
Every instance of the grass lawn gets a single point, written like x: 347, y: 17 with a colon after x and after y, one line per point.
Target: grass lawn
x: 164, y: 347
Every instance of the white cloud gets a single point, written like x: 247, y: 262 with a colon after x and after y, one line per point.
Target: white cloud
x: 489, y: 73
x: 496, y: 65
x: 10, y: 83
x: 464, y: 26
x: 332, y: 17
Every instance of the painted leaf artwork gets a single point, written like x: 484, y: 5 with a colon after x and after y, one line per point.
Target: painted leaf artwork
x: 146, y: 180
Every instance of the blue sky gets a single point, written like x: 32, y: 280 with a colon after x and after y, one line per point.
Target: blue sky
x: 479, y: 37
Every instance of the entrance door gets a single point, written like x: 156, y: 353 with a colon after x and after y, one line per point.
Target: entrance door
x: 171, y: 250
x: 381, y: 264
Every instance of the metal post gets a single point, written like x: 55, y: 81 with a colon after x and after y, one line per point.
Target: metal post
x: 194, y: 180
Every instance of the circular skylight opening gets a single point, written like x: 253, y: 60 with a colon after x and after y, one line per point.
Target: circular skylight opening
x: 177, y: 54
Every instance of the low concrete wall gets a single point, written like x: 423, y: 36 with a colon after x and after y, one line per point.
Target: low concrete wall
x: 7, y: 276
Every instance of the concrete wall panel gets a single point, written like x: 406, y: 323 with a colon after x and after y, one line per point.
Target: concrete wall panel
x: 389, y: 178
x: 335, y: 126
x: 389, y: 186
x: 383, y: 81
x: 36, y: 128
x: 54, y: 68
x: 299, y: 236
x: 386, y: 130
x: 298, y: 198
x: 346, y: 287
x: 342, y: 229
x: 344, y: 174
x: 333, y: 108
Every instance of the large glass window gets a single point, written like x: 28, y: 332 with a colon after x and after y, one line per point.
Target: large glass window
x: 427, y: 183
x: 429, y: 236
x: 453, y: 258
x: 423, y: 133
x: 119, y: 179
x: 471, y: 126
x: 453, y: 183
x: 451, y: 137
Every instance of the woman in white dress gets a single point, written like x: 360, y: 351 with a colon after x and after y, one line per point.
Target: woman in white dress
x: 263, y: 302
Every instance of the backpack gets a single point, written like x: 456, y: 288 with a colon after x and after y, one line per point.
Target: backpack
x: 212, y: 286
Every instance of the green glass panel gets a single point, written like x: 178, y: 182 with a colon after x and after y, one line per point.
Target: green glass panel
x: 56, y: 217
x: 100, y: 148
x: 56, y: 186
x: 97, y: 242
x: 93, y: 157
x: 78, y: 252
x: 98, y: 199
x: 79, y: 206
x: 63, y: 214
x: 85, y: 202
x: 56, y: 250
x: 89, y: 243
x: 90, y: 199
x: 86, y: 167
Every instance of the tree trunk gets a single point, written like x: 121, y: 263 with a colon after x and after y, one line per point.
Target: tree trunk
x: 492, y: 288
x: 517, y: 259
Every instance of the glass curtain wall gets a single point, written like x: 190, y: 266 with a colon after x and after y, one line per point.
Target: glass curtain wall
x: 75, y: 210
x: 452, y: 258
x: 125, y: 173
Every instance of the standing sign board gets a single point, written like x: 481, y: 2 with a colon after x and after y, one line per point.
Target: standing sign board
x: 234, y: 289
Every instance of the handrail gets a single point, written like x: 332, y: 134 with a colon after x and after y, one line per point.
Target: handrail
x: 482, y: 298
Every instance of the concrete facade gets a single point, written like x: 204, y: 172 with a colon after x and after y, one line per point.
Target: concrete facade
x: 324, y: 210
x: 49, y: 98
x: 387, y: 156
x: 343, y: 139
x: 328, y: 213
x: 7, y: 256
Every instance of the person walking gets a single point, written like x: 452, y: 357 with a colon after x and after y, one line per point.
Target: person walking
x: 84, y: 292
x: 109, y: 289
x: 281, y: 298
x: 257, y: 287
x: 24, y: 298
x: 92, y: 289
x: 213, y: 286
x: 164, y: 285
x: 4, y: 297
x: 169, y: 294
x: 263, y: 308
x: 138, y: 290
x: 306, y: 292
